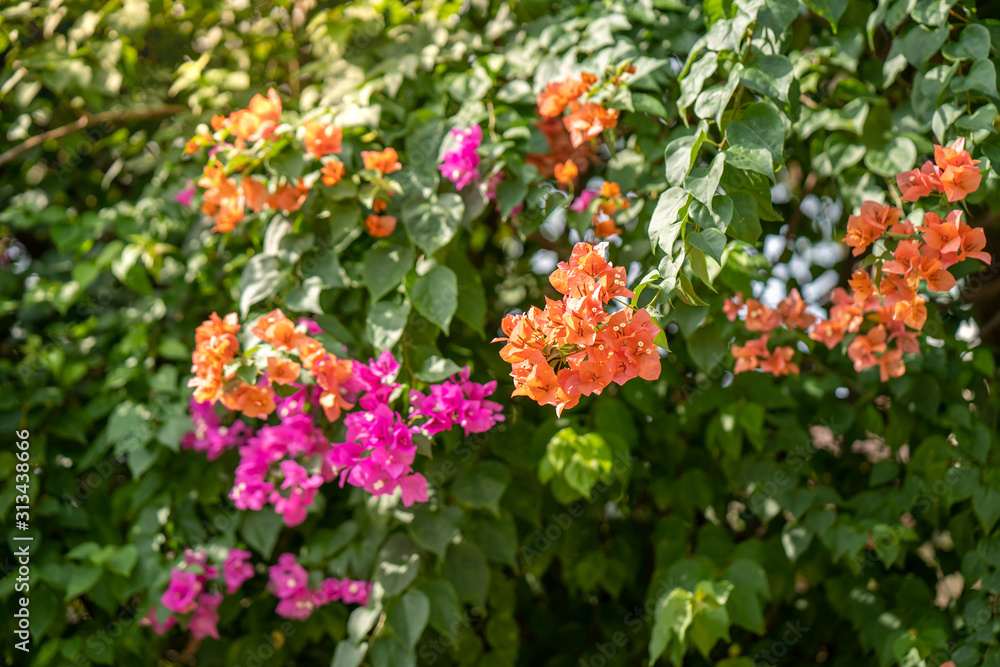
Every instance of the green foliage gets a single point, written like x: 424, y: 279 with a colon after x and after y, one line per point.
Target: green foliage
x: 699, y: 519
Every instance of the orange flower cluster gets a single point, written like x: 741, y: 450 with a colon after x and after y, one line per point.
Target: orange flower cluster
x: 585, y: 121
x: 384, y: 162
x: 790, y: 314
x: 258, y: 121
x: 215, y: 346
x: 227, y: 201
x: 953, y: 173
x: 890, y: 303
x: 329, y: 372
x: 574, y: 347
x: 756, y: 355
x: 611, y: 202
x: 322, y: 138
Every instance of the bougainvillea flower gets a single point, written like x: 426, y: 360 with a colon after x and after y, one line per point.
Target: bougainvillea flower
x: 237, y: 569
x: 182, y: 591
x: 380, y: 226
x: 959, y: 173
x: 206, y: 617
x: 460, y: 165
x: 256, y: 194
x: 588, y: 121
x: 283, y: 371
x: 332, y: 172
x: 873, y: 221
x: 566, y: 172
x: 748, y: 356
x: 322, y: 138
x: 558, y: 94
x: 256, y: 402
x: 864, y: 348
x: 289, y: 198
x: 386, y: 161
x: 918, y: 183
x: 760, y: 317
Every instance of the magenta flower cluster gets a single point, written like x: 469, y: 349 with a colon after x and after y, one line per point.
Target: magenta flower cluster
x: 210, y: 436
x: 285, y: 464
x: 289, y: 581
x: 460, y: 165
x: 188, y: 593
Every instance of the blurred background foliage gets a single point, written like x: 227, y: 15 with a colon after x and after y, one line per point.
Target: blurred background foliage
x: 821, y: 519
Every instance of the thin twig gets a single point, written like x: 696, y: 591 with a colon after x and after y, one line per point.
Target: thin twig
x: 85, y: 121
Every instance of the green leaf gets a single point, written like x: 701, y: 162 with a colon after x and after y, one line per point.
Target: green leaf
x: 831, y: 10
x: 758, y: 127
x: 897, y: 156
x: 123, y: 560
x: 769, y: 75
x: 673, y: 616
x: 745, y: 225
x: 919, y: 44
x: 694, y: 80
x: 680, y: 155
x: 261, y: 278
x: 347, y: 654
x: 398, y: 564
x: 408, y: 616
x: 445, y: 606
x: 482, y: 486
x: 665, y: 224
x: 432, y: 225
x: 81, y: 579
x: 434, y: 531
x: 435, y: 296
x: 385, y: 324
x: 466, y: 568
x: 711, y: 241
x: 471, y: 293
x: 973, y: 44
x: 982, y: 78
x: 260, y: 529
x: 703, y: 183
x: 437, y: 369
x: 385, y: 267
x: 986, y: 505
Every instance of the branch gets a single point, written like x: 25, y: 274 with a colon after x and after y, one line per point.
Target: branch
x: 85, y: 121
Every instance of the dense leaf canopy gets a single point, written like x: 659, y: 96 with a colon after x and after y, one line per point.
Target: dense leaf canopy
x: 828, y: 500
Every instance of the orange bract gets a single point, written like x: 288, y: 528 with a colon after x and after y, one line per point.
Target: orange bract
x: 386, y: 161
x: 322, y: 138
x: 380, y: 226
x: 332, y: 172
x: 566, y: 172
x: 558, y: 94
x: 573, y: 347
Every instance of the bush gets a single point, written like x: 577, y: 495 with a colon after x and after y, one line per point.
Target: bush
x: 733, y: 439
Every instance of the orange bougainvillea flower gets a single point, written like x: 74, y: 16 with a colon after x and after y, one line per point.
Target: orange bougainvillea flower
x: 867, y: 227
x: 793, y: 312
x: 731, y: 307
x: 256, y: 402
x: 255, y: 193
x: 215, y: 346
x: 222, y: 198
x: 277, y: 330
x: 959, y: 174
x: 283, y: 371
x: 379, y: 205
x: 386, y: 161
x: 289, y: 198
x: 890, y: 365
x: 864, y: 348
x: 322, y: 138
x: 566, y: 172
x: 918, y: 183
x: 589, y: 120
x: 909, y: 263
x: 953, y: 241
x: 380, y: 226
x: 748, y: 356
x: 605, y: 227
x: 219, y: 123
x: 573, y: 347
x: 760, y: 317
x: 332, y: 172
x: 780, y: 362
x: 259, y: 120
x: 558, y: 94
